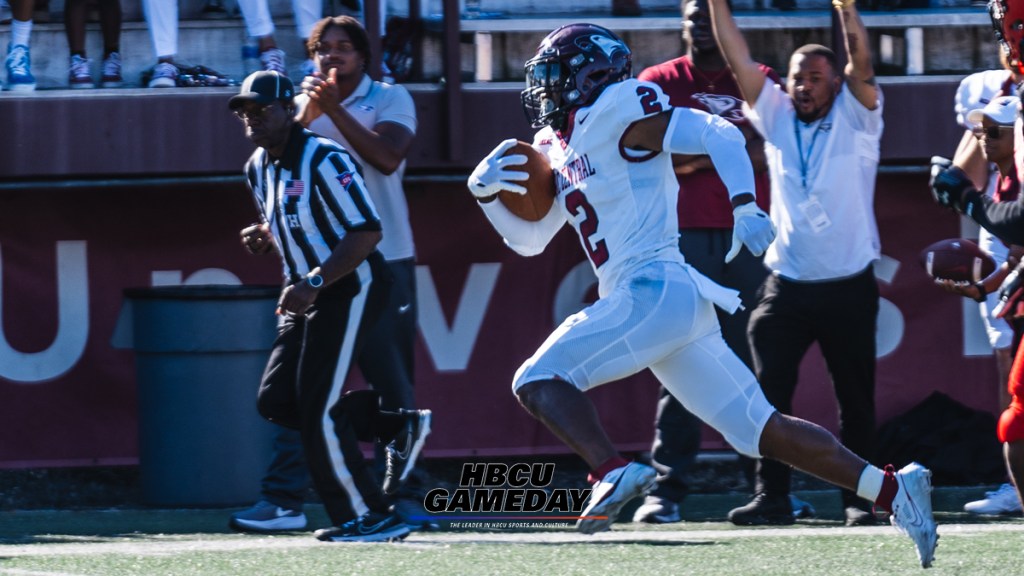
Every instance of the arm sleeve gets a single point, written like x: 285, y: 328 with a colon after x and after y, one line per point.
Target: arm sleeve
x: 696, y: 132
x: 526, y: 238
x: 1005, y: 220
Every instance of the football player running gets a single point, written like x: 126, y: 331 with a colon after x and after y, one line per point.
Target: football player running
x: 609, y: 139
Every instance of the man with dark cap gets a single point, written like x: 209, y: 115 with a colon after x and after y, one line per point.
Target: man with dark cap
x: 316, y: 213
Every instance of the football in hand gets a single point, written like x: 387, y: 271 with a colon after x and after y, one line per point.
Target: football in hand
x: 540, y: 187
x: 957, y: 259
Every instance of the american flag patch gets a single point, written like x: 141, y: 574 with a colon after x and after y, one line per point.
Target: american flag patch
x: 345, y: 179
x: 294, y: 187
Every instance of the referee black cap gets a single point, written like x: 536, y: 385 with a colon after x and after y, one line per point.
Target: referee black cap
x: 263, y: 87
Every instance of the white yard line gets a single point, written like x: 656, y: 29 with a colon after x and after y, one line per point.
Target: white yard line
x: 19, y: 572
x: 163, y: 545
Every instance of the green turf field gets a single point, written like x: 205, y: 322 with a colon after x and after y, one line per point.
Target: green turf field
x: 142, y: 542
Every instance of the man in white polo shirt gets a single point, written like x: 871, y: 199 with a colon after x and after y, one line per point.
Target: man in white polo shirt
x: 822, y: 138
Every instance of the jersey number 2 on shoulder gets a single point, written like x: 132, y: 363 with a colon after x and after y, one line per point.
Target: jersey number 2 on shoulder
x: 649, y: 100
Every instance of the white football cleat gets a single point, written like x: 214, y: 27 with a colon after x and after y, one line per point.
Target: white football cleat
x: 912, y: 510
x: 611, y: 493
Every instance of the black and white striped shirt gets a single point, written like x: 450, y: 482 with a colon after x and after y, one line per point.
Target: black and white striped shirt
x: 312, y: 196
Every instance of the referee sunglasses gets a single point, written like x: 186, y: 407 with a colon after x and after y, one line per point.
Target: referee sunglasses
x: 254, y: 113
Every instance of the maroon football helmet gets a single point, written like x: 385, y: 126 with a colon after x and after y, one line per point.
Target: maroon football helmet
x: 572, y: 66
x: 1008, y: 22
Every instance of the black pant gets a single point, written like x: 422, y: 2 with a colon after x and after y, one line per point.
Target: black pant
x: 677, y: 431
x: 303, y: 380
x: 386, y: 361
x: 841, y: 316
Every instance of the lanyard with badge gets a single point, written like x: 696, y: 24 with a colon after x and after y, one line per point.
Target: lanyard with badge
x: 811, y: 208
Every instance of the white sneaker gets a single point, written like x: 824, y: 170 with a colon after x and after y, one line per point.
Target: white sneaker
x: 165, y: 75
x: 612, y: 492
x: 267, y: 517
x: 657, y: 510
x: 79, y: 75
x: 912, y: 509
x: 273, y: 61
x: 1002, y: 501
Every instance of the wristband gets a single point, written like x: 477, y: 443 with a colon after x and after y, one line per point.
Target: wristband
x: 982, y: 292
x: 315, y: 281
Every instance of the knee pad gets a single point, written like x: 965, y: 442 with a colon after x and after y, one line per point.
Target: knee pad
x: 1011, y: 423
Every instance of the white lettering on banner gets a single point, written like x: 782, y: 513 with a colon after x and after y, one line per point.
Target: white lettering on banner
x: 450, y: 348
x: 72, y: 322
x: 199, y: 277
x: 571, y: 294
x: 890, y: 327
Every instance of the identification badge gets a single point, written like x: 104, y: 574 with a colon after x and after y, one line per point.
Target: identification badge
x: 815, y: 214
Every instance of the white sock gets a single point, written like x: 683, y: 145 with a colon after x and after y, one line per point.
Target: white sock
x: 870, y: 484
x: 20, y: 32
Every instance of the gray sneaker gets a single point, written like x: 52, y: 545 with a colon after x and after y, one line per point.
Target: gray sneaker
x: 267, y: 517
x: 657, y: 510
x: 611, y: 493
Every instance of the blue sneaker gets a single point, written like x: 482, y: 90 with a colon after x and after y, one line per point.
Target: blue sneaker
x: 19, y: 74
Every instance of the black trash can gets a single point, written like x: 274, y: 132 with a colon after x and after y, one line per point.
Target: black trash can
x: 200, y: 352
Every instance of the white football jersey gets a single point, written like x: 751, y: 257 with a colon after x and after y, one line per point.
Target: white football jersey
x: 621, y: 202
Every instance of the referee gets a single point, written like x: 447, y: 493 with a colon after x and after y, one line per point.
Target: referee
x: 316, y: 213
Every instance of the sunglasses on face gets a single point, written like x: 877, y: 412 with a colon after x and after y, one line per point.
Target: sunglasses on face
x: 254, y: 113
x: 990, y: 132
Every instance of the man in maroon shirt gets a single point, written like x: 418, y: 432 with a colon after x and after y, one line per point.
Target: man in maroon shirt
x: 701, y: 79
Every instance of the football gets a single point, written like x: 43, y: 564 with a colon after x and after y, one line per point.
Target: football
x: 957, y: 259
x: 540, y: 187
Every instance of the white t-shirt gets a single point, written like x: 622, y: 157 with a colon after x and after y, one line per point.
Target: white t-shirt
x: 370, y: 104
x: 823, y: 185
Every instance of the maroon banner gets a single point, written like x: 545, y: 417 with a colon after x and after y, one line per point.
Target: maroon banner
x: 67, y: 255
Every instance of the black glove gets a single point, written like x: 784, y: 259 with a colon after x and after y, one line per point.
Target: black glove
x: 949, y: 186
x: 1010, y: 293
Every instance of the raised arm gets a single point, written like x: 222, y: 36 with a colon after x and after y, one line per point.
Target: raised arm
x: 734, y: 47
x: 860, y: 74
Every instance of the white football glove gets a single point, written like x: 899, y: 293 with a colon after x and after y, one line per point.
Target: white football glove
x: 751, y: 227
x: 491, y: 175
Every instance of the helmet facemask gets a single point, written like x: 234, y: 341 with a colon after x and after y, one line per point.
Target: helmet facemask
x: 572, y: 67
x: 546, y: 84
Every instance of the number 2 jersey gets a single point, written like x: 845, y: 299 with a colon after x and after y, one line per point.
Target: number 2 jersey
x: 621, y: 202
